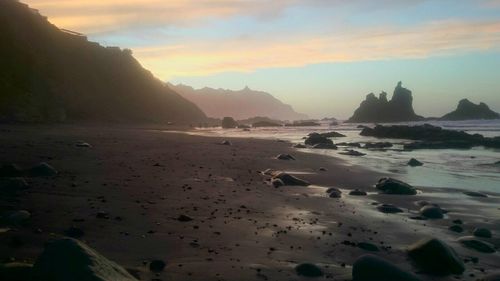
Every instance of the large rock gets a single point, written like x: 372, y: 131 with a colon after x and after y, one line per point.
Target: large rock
x: 288, y: 179
x: 467, y: 110
x: 398, y: 109
x: 472, y: 243
x: 393, y: 186
x: 434, y: 256
x: 482, y: 232
x: 373, y: 268
x: 414, y: 163
x: 315, y: 138
x: 285, y: 157
x: 69, y: 259
x: 324, y: 146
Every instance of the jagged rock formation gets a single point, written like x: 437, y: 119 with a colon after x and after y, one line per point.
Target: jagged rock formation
x: 242, y: 104
x: 50, y: 74
x: 467, y: 110
x: 377, y: 110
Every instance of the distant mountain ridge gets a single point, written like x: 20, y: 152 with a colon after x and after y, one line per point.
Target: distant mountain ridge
x: 466, y: 110
x: 51, y: 74
x: 242, y: 104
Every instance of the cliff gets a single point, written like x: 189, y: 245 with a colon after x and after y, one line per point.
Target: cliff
x: 49, y: 74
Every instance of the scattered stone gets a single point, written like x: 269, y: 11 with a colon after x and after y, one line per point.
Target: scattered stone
x: 285, y: 157
x: 322, y: 169
x: 299, y: 145
x: 12, y: 185
x: 225, y: 142
x: 11, y: 170
x: 157, y: 265
x: 393, y: 186
x: 352, y: 152
x: 432, y: 212
x: 475, y: 194
x: 324, y: 146
x: 17, y: 217
x: 436, y: 257
x: 378, y: 145
x: 16, y: 271
x: 371, y: 268
x: 456, y: 228
x: 332, y: 135
x: 74, y: 232
x: 357, y: 192
x: 308, y: 270
x: 389, y: 209
x: 82, y: 144
x: 69, y: 259
x: 368, y: 246
x: 290, y: 180
x: 184, y: 218
x: 482, y: 232
x: 277, y: 183
x: 42, y: 170
x: 414, y: 163
x: 334, y: 192
x: 472, y: 243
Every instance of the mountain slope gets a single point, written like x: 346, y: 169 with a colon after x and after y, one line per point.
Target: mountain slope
x: 48, y: 74
x: 242, y: 104
x: 467, y: 110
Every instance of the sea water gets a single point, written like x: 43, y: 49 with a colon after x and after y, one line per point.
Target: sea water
x: 470, y: 169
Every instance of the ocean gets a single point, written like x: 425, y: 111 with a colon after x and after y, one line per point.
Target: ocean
x: 469, y: 169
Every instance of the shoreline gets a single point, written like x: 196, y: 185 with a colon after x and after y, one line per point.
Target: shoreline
x: 148, y: 178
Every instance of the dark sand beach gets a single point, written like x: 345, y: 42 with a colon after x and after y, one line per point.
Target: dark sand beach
x: 128, y: 191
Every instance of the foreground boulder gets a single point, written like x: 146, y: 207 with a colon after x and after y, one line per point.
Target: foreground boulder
x: 373, y: 268
x: 70, y: 259
x: 472, y: 243
x: 482, y: 232
x: 393, y: 186
x: 434, y: 256
x: 288, y: 179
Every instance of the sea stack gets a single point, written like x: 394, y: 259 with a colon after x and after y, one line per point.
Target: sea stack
x: 466, y: 110
x: 398, y: 109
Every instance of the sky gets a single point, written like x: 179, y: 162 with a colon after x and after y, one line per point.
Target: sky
x: 320, y: 56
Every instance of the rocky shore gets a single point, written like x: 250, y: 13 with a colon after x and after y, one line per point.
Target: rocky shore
x: 146, y: 204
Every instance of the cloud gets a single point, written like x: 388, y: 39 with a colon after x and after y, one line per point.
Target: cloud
x: 295, y: 50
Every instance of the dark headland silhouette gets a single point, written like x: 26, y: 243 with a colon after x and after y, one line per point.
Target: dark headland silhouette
x: 242, y: 104
x: 467, y: 110
x: 51, y: 74
x: 398, y: 109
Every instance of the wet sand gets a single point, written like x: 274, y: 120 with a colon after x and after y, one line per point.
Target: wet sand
x: 241, y: 227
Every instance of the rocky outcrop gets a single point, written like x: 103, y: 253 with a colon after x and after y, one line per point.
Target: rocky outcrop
x: 228, y: 123
x: 466, y: 110
x: 431, y: 137
x: 398, y: 109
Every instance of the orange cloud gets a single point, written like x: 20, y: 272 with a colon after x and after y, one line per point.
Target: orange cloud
x: 249, y: 54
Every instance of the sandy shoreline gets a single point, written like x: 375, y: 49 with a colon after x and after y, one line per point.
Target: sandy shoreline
x: 242, y: 228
